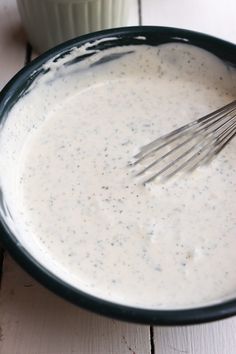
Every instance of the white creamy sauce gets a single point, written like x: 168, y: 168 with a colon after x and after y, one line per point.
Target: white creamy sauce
x: 79, y: 210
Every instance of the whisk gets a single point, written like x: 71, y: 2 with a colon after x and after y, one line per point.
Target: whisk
x: 187, y: 147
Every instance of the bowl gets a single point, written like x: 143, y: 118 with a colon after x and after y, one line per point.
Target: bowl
x: 19, y: 86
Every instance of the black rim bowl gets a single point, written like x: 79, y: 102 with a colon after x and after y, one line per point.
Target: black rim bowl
x: 9, y: 96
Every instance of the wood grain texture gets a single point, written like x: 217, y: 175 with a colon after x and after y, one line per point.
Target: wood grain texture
x: 35, y: 321
x: 12, y: 51
x: 213, y: 338
x: 12, y: 41
x: 213, y: 17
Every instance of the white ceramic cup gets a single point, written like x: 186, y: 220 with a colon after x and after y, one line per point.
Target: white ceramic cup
x: 50, y: 22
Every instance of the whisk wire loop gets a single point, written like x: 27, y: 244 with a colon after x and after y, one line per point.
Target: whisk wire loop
x: 187, y: 147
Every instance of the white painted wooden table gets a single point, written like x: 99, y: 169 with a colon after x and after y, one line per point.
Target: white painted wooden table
x: 35, y: 321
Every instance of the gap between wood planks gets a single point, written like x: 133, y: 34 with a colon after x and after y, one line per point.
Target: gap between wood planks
x: 151, y: 329
x: 140, y: 20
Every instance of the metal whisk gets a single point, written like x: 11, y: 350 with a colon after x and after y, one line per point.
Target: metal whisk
x: 187, y: 147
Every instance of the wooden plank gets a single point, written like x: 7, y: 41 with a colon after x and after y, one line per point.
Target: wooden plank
x: 213, y: 17
x: 12, y: 50
x: 213, y: 338
x: 12, y: 41
x: 35, y: 321
x: 133, y: 13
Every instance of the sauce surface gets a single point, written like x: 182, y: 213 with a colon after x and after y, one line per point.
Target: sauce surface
x: 79, y: 209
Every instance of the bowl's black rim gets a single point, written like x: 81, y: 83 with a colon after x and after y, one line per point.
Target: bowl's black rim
x: 49, y: 280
